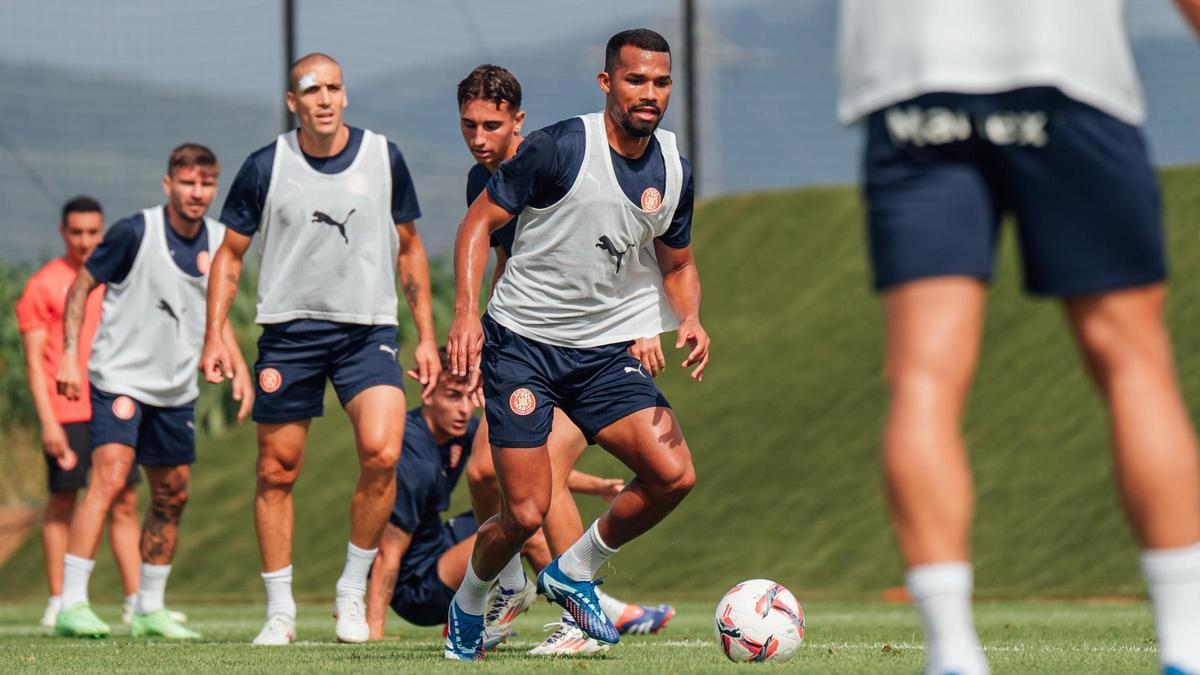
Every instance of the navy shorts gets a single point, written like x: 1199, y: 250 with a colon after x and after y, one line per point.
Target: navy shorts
x: 159, y: 436
x: 295, y: 358
x: 421, y: 597
x: 80, y: 442
x: 524, y: 380
x: 942, y: 170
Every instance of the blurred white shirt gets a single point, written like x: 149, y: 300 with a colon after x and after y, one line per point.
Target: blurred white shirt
x: 894, y: 50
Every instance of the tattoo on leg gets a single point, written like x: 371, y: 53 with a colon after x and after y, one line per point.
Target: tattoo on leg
x: 160, y: 532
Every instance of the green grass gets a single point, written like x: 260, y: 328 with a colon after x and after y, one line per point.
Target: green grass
x: 842, y: 638
x: 785, y: 433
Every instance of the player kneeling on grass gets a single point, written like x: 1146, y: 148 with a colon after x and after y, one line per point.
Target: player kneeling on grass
x: 143, y: 382
x: 422, y: 561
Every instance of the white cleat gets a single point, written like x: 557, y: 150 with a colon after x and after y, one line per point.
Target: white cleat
x: 50, y: 615
x: 567, y: 640
x: 351, y: 614
x: 128, y: 608
x: 503, y: 609
x: 280, y: 630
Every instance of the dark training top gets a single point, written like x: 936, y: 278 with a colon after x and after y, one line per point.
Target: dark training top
x: 547, y: 164
x: 425, y: 478
x: 244, y: 205
x: 113, y: 258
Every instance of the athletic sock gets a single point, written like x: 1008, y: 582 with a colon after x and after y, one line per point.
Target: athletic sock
x: 279, y: 592
x: 76, y: 573
x: 942, y: 594
x: 354, y: 575
x: 54, y: 602
x: 585, y: 556
x: 471, y: 596
x: 129, y: 604
x: 512, y: 577
x: 613, y: 608
x: 1173, y: 575
x: 151, y: 588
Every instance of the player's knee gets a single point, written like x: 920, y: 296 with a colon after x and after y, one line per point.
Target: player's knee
x: 170, y: 495
x: 381, y: 459
x: 124, y: 506
x: 480, y: 473
x: 524, y: 519
x: 679, y: 488
x: 274, y: 473
x: 106, y: 486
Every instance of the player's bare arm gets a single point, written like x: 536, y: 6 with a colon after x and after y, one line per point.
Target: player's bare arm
x: 382, y: 582
x: 216, y: 361
x: 1191, y: 11
x: 54, y: 438
x: 470, y: 258
x: 243, y: 388
x: 70, y: 377
x: 413, y: 269
x: 681, y: 285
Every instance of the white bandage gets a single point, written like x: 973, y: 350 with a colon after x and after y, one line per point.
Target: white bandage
x: 309, y: 80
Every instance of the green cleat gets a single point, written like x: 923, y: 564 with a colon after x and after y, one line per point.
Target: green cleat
x: 80, y: 621
x: 160, y: 624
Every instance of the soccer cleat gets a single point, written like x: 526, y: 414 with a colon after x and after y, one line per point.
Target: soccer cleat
x: 1174, y: 670
x: 644, y: 619
x: 160, y: 624
x: 567, y: 640
x: 351, y: 613
x: 280, y: 629
x: 127, y: 612
x: 464, y: 635
x: 579, y: 599
x: 80, y: 621
x: 505, y: 607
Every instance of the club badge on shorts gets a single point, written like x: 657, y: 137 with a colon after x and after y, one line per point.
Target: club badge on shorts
x: 123, y: 408
x: 522, y: 401
x: 651, y: 198
x: 269, y: 380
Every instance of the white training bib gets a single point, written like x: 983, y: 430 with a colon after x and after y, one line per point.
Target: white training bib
x: 152, y: 323
x: 583, y: 272
x: 329, y: 245
x: 895, y: 50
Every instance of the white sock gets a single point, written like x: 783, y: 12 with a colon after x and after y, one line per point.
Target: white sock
x: 585, y: 556
x: 354, y: 575
x: 129, y: 603
x: 279, y: 592
x: 612, y: 607
x: 151, y: 588
x: 76, y: 573
x: 942, y: 594
x: 54, y: 602
x: 512, y: 577
x: 1173, y: 575
x: 471, y: 596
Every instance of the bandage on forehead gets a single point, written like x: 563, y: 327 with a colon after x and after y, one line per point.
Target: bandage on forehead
x: 308, y: 80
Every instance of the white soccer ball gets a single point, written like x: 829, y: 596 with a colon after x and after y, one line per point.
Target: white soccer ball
x: 759, y: 620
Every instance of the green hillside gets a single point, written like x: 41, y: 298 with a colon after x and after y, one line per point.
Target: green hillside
x: 785, y: 431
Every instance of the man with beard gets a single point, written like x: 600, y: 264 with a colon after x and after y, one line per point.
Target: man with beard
x: 601, y: 256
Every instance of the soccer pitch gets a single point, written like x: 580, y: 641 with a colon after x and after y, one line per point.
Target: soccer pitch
x: 842, y: 638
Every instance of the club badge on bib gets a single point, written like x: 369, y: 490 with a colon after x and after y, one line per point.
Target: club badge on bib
x: 651, y: 198
x: 522, y: 401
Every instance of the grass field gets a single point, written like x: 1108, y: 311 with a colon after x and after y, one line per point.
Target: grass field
x: 842, y: 638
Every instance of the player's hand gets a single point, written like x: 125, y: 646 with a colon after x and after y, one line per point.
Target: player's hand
x: 692, y: 335
x: 56, y: 446
x: 243, y: 392
x: 215, y: 362
x: 609, y: 488
x: 464, y: 346
x: 429, y: 367
x: 476, y: 396
x: 649, y: 352
x: 69, y: 379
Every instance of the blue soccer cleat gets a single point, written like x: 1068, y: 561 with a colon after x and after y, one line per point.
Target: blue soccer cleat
x: 644, y: 619
x: 579, y: 599
x: 1174, y: 670
x: 464, y: 635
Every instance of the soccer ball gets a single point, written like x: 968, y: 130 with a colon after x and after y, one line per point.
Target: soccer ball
x: 759, y: 620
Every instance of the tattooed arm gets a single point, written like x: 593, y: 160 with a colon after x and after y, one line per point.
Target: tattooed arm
x: 70, y: 376
x: 384, y: 570
x: 413, y: 269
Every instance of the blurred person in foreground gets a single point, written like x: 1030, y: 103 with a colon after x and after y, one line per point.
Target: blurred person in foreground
x: 142, y: 376
x: 975, y: 109
x: 66, y: 443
